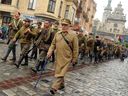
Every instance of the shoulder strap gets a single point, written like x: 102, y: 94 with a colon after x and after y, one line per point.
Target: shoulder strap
x: 16, y: 23
x: 67, y: 42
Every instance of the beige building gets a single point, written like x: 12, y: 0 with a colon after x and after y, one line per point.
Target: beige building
x: 85, y: 14
x: 113, y: 22
x: 38, y: 9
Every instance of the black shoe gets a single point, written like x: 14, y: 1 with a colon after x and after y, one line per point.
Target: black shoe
x: 3, y: 59
x: 34, y: 70
x: 53, y: 91
x: 17, y: 66
x: 25, y: 64
x: 62, y: 87
x: 95, y: 62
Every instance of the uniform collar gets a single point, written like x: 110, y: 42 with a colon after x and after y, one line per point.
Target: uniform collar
x: 63, y: 32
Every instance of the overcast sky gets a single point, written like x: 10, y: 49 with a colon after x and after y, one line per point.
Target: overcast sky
x: 101, y: 4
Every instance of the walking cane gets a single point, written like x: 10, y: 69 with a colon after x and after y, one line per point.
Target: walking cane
x: 44, y: 63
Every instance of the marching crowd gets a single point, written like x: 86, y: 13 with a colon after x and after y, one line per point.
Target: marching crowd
x: 62, y: 45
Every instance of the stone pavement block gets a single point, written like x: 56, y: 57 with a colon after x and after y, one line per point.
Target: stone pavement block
x: 9, y: 92
x: 2, y: 94
x: 44, y: 84
x: 22, y: 93
x: 23, y: 88
x: 68, y: 90
x: 31, y: 93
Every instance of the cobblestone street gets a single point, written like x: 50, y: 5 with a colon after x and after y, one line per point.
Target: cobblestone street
x: 106, y: 79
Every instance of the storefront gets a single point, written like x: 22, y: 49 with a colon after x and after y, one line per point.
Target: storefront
x: 5, y: 17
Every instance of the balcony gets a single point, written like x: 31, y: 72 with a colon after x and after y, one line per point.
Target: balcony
x: 74, y: 1
x: 85, y: 16
x: 7, y: 8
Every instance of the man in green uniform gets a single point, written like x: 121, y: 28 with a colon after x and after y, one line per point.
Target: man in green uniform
x: 43, y: 43
x: 82, y: 44
x: 90, y: 46
x: 14, y: 26
x: 25, y: 34
x: 37, y: 31
x: 66, y: 53
x: 55, y: 29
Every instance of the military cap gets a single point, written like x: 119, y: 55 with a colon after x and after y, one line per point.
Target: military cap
x: 65, y: 21
x: 27, y: 20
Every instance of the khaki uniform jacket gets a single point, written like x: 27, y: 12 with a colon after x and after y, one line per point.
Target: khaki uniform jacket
x: 82, y: 43
x: 64, y: 55
x: 44, y: 39
x: 24, y: 38
x: 90, y: 44
x: 15, y: 26
x: 37, y: 31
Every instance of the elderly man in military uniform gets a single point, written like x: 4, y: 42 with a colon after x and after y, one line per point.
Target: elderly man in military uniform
x: 14, y: 26
x: 25, y: 34
x: 66, y: 44
x: 43, y: 43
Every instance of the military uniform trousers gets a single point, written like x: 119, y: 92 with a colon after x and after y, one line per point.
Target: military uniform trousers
x: 13, y: 49
x: 34, y: 53
x: 42, y: 56
x: 58, y: 83
x: 24, y: 53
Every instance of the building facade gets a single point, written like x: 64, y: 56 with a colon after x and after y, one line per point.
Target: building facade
x: 85, y: 14
x: 38, y: 9
x: 113, y: 22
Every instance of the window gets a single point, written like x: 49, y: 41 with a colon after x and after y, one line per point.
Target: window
x: 6, y: 2
x: 118, y: 31
x: 61, y: 4
x: 51, y: 6
x: 17, y: 4
x: 67, y: 11
x: 32, y: 4
x: 111, y: 30
x: 73, y: 14
x: 6, y: 18
x: 115, y: 30
x: 115, y: 25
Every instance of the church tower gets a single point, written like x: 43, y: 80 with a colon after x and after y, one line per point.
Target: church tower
x: 107, y: 11
x: 118, y: 13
